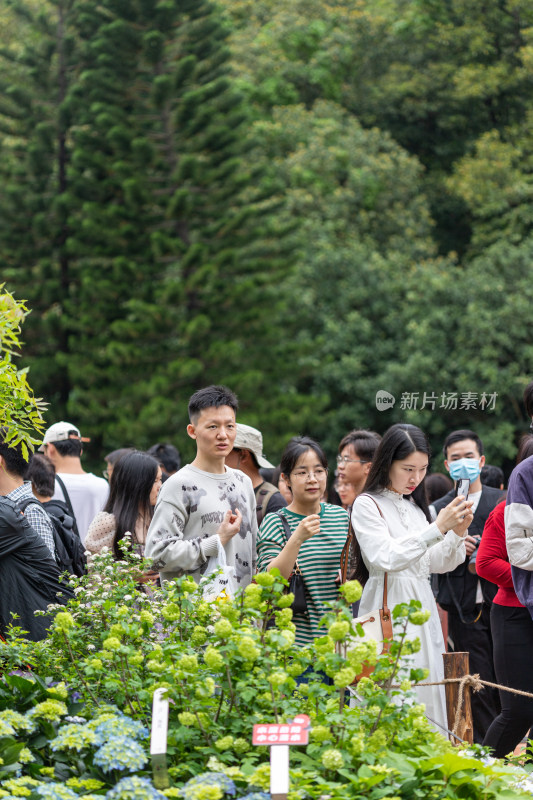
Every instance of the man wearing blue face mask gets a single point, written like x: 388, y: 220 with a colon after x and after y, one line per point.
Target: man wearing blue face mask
x: 466, y: 597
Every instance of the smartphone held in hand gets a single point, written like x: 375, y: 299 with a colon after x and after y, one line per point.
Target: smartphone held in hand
x: 462, y: 487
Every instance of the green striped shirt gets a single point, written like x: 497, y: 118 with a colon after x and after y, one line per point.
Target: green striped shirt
x: 318, y: 559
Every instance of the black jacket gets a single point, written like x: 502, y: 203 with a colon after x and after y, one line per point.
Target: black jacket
x: 29, y: 576
x: 456, y: 590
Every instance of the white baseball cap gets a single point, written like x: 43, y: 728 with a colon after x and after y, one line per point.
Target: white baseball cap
x: 59, y: 432
x: 249, y: 438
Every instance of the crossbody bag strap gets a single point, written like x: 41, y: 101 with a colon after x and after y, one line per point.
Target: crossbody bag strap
x: 61, y: 482
x: 345, y: 555
x: 385, y: 605
x: 288, y: 533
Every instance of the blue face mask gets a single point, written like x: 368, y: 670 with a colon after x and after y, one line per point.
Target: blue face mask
x: 465, y: 468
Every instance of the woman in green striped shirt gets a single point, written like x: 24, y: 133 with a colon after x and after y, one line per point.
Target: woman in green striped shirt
x: 318, y: 534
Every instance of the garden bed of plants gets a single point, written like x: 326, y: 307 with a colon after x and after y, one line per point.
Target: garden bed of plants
x: 75, y: 709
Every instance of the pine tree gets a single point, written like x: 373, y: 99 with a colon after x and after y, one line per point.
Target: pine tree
x: 33, y: 183
x: 161, y: 271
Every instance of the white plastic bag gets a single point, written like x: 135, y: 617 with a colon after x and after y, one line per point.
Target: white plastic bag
x: 224, y: 584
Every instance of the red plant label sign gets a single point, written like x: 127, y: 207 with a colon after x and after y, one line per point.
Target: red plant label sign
x: 295, y: 732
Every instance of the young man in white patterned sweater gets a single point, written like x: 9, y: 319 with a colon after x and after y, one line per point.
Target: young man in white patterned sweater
x: 205, y: 503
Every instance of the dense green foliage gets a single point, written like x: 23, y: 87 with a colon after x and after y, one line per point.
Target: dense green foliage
x: 129, y: 220
x: 82, y: 719
x: 21, y: 413
x: 308, y: 201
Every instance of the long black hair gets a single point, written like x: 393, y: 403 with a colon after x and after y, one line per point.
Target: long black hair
x: 398, y: 442
x: 130, y: 486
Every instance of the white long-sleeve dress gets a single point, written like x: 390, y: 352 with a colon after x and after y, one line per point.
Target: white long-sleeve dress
x: 403, y: 544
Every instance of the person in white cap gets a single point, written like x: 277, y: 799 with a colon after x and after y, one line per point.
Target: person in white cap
x: 84, y: 493
x: 247, y: 455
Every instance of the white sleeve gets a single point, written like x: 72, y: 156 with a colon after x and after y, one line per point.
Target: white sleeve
x: 519, y: 516
x: 519, y: 534
x: 378, y: 547
x: 447, y: 554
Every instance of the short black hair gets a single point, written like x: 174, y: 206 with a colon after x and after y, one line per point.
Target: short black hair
x: 528, y: 399
x: 167, y: 455
x: 297, y: 446
x: 492, y: 476
x: 460, y: 436
x: 211, y: 397
x: 16, y: 464
x: 115, y: 455
x: 69, y: 447
x: 42, y: 474
x: 364, y: 442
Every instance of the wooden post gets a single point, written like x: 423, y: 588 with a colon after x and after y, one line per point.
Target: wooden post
x: 456, y: 665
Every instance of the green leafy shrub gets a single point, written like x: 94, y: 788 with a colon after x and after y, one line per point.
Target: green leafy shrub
x: 21, y: 413
x: 225, y: 669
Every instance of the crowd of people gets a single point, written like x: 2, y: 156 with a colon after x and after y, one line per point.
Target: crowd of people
x: 469, y: 552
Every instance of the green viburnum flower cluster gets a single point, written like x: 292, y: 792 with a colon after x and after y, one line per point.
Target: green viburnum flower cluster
x: 64, y: 621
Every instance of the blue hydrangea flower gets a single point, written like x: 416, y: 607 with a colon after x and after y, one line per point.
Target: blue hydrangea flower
x: 134, y: 788
x: 208, y: 779
x: 55, y: 791
x: 18, y: 721
x: 120, y: 726
x: 74, y: 737
x: 6, y: 729
x: 121, y: 752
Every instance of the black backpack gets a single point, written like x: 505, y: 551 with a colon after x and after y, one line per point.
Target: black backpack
x: 70, y: 553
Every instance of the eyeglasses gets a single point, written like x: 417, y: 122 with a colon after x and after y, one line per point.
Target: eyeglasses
x: 303, y: 474
x: 346, y: 460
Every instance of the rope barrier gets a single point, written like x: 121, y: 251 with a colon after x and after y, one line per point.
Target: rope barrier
x: 476, y: 684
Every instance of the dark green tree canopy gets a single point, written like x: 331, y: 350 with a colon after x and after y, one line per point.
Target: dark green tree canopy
x: 308, y: 201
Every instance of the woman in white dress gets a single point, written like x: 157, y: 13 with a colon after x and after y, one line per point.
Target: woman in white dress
x: 406, y: 545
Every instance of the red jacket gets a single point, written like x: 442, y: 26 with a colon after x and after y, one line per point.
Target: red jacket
x: 492, y: 562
